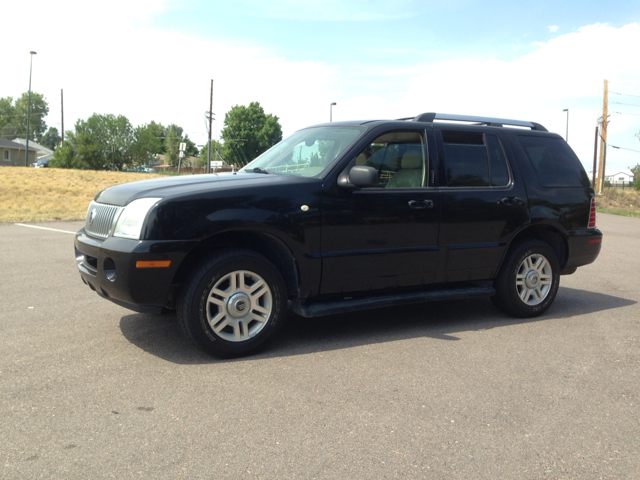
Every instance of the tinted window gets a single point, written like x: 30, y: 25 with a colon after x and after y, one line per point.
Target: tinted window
x: 554, y: 162
x: 466, y: 159
x: 399, y: 157
x: 497, y: 161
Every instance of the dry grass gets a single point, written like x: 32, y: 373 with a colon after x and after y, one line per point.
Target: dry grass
x: 45, y: 194
x: 619, y: 202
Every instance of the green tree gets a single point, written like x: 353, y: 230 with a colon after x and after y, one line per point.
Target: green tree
x: 172, y: 139
x: 192, y: 149
x: 172, y: 146
x: 216, y: 153
x: 65, y: 155
x: 248, y: 132
x: 158, y: 131
x: 636, y: 176
x: 100, y: 142
x: 51, y: 139
x: 7, y: 117
x: 145, y: 145
x: 13, y: 116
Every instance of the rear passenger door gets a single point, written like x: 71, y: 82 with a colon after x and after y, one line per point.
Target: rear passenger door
x: 483, y: 205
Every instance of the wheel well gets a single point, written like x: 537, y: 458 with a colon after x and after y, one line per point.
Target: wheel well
x: 551, y: 236
x: 269, y: 247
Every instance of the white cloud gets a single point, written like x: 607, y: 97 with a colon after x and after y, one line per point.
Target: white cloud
x: 538, y: 86
x: 553, y: 28
x: 110, y: 61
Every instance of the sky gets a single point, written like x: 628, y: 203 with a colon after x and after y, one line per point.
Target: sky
x: 155, y: 59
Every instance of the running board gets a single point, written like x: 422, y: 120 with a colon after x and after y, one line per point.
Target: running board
x: 333, y: 307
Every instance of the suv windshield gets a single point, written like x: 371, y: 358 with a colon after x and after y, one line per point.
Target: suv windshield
x: 307, y: 152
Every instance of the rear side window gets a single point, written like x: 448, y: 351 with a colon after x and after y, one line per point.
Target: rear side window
x: 474, y: 159
x: 554, y: 162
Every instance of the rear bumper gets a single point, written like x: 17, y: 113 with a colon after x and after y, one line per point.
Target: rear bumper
x: 584, y: 247
x: 109, y: 268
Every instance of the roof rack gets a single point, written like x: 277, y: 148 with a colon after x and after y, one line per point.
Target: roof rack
x: 489, y: 121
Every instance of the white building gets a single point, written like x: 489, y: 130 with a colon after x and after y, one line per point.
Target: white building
x: 619, y: 178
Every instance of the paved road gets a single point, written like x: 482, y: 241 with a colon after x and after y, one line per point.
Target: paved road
x: 448, y: 390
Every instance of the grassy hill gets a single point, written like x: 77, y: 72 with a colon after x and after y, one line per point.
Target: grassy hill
x: 44, y: 194
x: 49, y: 194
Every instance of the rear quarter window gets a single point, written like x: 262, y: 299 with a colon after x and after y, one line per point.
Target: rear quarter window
x: 553, y: 162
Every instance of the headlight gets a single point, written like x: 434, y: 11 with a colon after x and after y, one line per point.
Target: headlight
x: 132, y: 218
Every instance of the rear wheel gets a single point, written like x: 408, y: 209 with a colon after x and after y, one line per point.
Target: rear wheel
x: 233, y: 304
x: 528, y: 281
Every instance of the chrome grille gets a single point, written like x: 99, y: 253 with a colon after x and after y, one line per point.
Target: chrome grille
x: 100, y: 219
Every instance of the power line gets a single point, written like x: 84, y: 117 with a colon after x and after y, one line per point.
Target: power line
x: 625, y: 113
x: 628, y: 104
x: 622, y: 148
x: 625, y: 94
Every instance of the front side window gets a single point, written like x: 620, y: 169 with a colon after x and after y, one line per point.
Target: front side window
x: 474, y: 159
x: 400, y: 159
x: 5, y: 155
x: 306, y: 153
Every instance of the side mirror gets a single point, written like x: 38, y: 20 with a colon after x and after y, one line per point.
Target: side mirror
x: 362, y: 177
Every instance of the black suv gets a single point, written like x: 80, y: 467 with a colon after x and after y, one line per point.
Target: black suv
x: 348, y: 216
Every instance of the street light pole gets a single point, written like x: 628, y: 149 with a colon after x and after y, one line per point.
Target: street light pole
x: 26, y: 153
x: 567, y: 135
x: 331, y: 111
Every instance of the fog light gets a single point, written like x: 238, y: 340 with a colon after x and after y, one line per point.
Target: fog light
x: 109, y: 268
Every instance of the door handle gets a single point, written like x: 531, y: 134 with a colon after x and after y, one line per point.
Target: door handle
x: 420, y: 205
x: 511, y: 201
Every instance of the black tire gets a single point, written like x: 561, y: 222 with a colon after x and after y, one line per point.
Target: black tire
x: 221, y: 315
x: 528, y: 281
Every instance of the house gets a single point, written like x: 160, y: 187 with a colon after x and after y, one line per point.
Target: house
x: 42, y: 151
x: 621, y: 178
x: 12, y: 153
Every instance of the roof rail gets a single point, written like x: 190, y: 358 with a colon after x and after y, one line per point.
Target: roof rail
x: 489, y: 121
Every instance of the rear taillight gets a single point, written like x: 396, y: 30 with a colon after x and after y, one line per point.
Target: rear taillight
x: 592, y: 213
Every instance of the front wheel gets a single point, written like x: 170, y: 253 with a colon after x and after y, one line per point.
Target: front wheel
x: 233, y: 304
x: 528, y: 281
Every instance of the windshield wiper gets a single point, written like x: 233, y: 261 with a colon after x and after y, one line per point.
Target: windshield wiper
x: 260, y: 170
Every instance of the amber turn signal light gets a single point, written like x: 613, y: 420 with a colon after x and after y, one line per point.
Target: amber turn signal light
x: 153, y: 263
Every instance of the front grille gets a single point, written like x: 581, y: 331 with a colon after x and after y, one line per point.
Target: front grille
x: 100, y: 219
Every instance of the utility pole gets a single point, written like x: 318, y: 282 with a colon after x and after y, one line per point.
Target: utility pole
x: 62, y: 114
x: 26, y: 152
x: 210, y: 117
x: 603, y: 137
x: 595, y: 158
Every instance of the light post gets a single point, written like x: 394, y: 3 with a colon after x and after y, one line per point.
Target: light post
x: 567, y: 135
x: 26, y: 153
x: 331, y: 111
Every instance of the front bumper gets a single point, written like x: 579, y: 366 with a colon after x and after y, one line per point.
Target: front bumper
x: 109, y: 268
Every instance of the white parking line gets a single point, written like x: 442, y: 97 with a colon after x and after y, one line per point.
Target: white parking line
x: 45, y: 228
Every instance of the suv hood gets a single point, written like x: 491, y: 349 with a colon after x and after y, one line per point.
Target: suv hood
x: 172, y: 187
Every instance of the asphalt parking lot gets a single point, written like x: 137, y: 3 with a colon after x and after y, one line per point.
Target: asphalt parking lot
x: 446, y: 390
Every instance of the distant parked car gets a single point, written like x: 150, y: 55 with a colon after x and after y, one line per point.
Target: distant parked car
x: 42, y: 163
x: 140, y: 168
